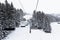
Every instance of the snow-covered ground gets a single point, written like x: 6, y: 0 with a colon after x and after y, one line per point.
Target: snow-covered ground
x: 23, y: 34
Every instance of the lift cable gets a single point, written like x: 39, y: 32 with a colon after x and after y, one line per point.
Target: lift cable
x: 21, y: 5
x: 37, y: 5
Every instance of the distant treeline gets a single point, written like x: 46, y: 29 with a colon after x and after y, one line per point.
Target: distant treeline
x: 53, y: 18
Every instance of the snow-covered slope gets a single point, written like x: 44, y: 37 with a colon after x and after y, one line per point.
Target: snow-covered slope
x: 23, y: 34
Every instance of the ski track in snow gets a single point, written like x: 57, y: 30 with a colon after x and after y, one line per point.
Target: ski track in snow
x: 23, y: 34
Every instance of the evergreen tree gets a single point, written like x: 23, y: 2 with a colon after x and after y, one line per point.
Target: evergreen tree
x: 9, y: 18
x: 12, y: 6
x: 41, y: 21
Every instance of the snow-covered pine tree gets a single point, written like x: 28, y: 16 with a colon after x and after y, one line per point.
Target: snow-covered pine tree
x: 8, y: 18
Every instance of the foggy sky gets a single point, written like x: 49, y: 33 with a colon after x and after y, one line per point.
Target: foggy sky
x: 47, y: 6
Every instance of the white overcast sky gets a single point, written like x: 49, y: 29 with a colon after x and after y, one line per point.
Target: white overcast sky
x: 47, y: 6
